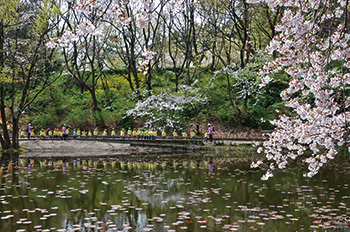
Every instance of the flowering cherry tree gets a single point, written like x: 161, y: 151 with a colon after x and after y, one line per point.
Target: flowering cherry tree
x: 82, y: 40
x: 313, y: 48
x: 135, y: 45
x: 96, y: 32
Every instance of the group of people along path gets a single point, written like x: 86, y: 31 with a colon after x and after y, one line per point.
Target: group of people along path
x: 135, y: 133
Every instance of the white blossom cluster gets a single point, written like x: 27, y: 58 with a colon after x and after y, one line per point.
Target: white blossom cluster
x: 174, y: 6
x: 245, y: 79
x: 144, y: 62
x: 318, y: 127
x: 164, y: 108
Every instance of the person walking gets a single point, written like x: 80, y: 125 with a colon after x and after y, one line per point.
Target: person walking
x: 29, y: 130
x: 64, y: 132
x: 210, y: 132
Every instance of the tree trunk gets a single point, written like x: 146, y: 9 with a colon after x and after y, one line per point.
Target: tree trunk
x: 15, y: 129
x: 95, y: 107
x: 242, y: 58
x: 4, y: 135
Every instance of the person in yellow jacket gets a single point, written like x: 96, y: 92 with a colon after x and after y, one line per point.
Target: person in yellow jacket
x: 113, y: 133
x: 143, y: 134
x: 138, y: 133
x: 174, y: 134
x: 78, y: 133
x: 134, y: 134
x: 49, y: 132
x: 32, y: 134
x: 150, y: 134
x: 95, y: 133
x: 67, y: 132
x: 105, y: 134
x: 153, y: 134
x: 129, y: 133
x: 9, y: 126
x: 122, y: 134
x: 206, y: 136
x: 89, y: 134
x: 22, y: 134
x: 193, y: 135
x: 184, y: 134
x: 55, y: 133
x: 43, y: 134
x: 163, y: 134
x: 83, y: 134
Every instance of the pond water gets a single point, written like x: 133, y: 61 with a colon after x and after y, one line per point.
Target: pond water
x: 168, y: 195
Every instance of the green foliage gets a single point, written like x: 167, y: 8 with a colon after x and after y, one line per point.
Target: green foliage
x: 8, y: 13
x: 65, y: 102
x: 248, y: 104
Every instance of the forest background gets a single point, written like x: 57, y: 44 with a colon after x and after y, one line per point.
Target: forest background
x: 118, y: 64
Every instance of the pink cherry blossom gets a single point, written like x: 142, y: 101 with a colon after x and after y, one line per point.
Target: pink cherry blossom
x: 305, y: 53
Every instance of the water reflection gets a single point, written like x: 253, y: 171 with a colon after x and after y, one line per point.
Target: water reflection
x: 211, y: 166
x: 167, y: 195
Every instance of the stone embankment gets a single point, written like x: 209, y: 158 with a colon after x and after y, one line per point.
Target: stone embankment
x: 116, y: 147
x: 90, y: 147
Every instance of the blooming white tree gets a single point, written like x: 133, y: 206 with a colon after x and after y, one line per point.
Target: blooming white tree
x: 164, y: 109
x: 313, y: 49
x: 245, y: 81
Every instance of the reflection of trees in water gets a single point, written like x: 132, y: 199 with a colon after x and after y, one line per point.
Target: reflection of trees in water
x: 7, y: 158
x: 155, y: 198
x: 154, y: 190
